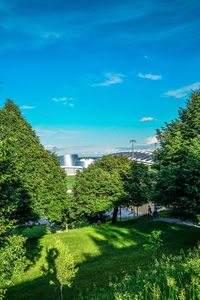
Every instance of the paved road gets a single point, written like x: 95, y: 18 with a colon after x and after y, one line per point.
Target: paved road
x: 176, y: 221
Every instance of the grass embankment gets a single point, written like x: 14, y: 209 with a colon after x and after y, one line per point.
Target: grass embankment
x: 103, y: 254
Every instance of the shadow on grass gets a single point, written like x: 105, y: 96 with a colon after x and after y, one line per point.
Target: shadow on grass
x: 33, y: 246
x: 33, y: 251
x: 120, y: 252
x: 49, y: 271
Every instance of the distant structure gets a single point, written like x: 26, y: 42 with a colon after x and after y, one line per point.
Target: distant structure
x: 71, y: 163
x: 142, y: 156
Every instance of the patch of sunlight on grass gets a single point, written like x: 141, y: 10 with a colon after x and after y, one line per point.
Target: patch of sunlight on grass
x: 177, y: 228
x: 124, y: 244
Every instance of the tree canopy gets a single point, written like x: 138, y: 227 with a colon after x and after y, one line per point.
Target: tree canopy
x: 110, y: 183
x: 37, y: 169
x: 178, y: 160
x: 12, y: 199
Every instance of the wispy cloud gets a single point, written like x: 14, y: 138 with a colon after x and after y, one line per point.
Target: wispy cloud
x: 151, y: 140
x: 43, y: 132
x: 64, y: 100
x: 111, y: 79
x: 182, y: 92
x: 146, y: 57
x: 49, y: 34
x: 57, y: 131
x: 147, y: 119
x: 67, y: 22
x: 150, y: 76
x: 27, y: 107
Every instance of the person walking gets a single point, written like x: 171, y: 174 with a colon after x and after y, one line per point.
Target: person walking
x: 150, y: 214
x: 155, y: 210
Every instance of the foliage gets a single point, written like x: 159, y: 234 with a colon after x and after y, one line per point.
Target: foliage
x: 110, y: 183
x: 65, y: 266
x: 178, y: 160
x: 12, y: 259
x: 12, y: 252
x: 154, y: 243
x: 13, y: 197
x: 173, y: 278
x: 43, y: 181
x: 138, y: 185
x: 60, y: 267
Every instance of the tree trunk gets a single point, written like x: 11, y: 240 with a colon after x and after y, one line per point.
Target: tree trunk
x: 61, y: 293
x: 67, y: 227
x: 114, y: 217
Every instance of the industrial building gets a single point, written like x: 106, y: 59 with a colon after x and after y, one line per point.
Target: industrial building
x: 71, y: 163
x: 142, y: 156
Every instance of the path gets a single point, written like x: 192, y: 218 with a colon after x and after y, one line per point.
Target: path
x: 176, y: 221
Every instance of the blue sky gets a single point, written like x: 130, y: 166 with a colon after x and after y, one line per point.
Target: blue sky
x: 91, y: 75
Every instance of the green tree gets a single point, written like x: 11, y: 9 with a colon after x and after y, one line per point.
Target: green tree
x: 60, y: 268
x: 12, y: 252
x: 178, y: 160
x: 138, y: 185
x: 95, y: 192
x: 65, y: 267
x: 111, y: 183
x: 38, y: 169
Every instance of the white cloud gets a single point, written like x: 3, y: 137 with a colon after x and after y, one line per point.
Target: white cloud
x: 146, y: 119
x: 182, y: 92
x: 27, y: 107
x: 151, y: 140
x: 64, y: 100
x: 60, y: 99
x: 110, y: 79
x: 150, y: 76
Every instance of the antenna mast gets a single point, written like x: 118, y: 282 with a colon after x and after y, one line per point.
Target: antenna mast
x: 132, y: 144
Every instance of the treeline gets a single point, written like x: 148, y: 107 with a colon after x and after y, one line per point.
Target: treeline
x: 111, y: 183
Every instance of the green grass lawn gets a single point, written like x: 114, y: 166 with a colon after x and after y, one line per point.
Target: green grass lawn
x: 102, y: 253
x: 70, y: 182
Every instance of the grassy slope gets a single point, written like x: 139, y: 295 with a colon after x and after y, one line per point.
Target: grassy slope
x: 101, y: 252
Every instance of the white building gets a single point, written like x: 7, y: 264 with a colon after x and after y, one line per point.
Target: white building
x: 71, y: 163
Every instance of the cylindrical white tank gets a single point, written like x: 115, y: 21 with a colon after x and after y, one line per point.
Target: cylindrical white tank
x: 69, y: 160
x: 85, y: 162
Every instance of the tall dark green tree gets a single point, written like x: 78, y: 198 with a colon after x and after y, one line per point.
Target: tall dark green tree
x: 178, y: 160
x: 38, y: 169
x: 12, y: 198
